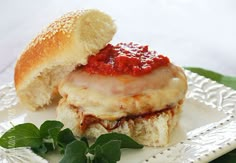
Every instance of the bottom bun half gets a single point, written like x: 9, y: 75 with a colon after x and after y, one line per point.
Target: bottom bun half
x: 152, y: 129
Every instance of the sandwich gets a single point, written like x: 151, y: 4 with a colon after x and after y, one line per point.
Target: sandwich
x: 125, y: 88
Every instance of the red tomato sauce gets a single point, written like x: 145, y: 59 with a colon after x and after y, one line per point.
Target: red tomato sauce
x: 125, y: 58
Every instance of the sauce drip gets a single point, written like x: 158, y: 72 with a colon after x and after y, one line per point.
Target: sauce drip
x: 88, y: 120
x: 131, y: 59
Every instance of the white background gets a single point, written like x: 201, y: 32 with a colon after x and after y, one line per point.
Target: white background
x: 190, y: 32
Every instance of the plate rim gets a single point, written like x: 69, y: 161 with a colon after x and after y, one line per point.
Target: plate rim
x: 199, y: 85
x: 201, y: 89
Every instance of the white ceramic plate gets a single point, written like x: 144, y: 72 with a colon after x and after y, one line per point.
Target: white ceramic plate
x: 207, y: 128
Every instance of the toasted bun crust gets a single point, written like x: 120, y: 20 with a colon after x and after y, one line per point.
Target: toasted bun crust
x: 54, y: 53
x: 153, y: 131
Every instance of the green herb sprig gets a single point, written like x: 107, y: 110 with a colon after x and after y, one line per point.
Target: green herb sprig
x: 52, y: 137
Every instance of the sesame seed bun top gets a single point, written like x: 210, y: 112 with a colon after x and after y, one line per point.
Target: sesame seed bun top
x: 54, y: 53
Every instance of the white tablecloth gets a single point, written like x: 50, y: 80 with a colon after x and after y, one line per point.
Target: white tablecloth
x: 192, y: 33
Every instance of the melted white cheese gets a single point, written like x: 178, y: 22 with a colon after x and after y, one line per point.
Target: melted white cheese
x: 112, y: 97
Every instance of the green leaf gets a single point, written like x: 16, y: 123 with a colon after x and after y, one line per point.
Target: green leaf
x: 53, y: 135
x: 47, y: 125
x: 75, y: 152
x: 49, y: 131
x: 22, y: 135
x: 126, y: 141
x: 111, y: 150
x: 108, y: 152
x: 40, y: 150
x: 98, y: 154
x: 84, y: 139
x: 226, y: 80
x: 65, y: 137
